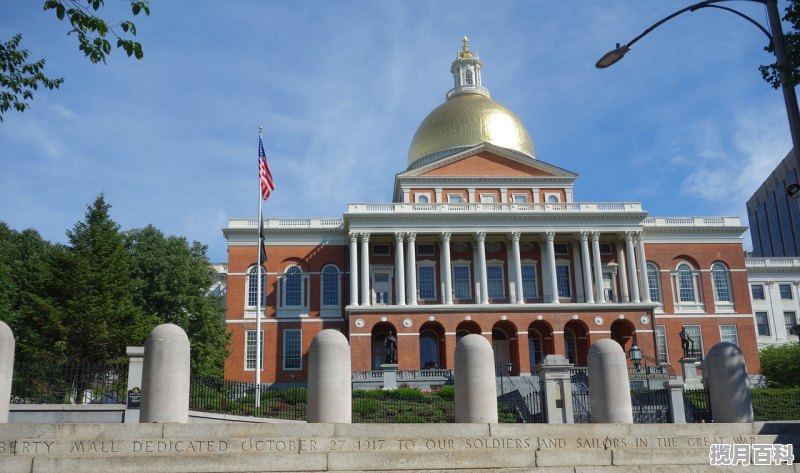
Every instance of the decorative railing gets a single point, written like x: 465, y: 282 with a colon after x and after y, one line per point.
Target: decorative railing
x: 405, y: 375
x: 286, y: 223
x: 787, y: 263
x: 585, y: 207
x: 692, y: 222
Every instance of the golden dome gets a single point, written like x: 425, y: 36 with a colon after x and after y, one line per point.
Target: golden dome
x: 469, y: 119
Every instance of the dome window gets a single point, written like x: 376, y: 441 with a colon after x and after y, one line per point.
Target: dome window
x: 469, y: 77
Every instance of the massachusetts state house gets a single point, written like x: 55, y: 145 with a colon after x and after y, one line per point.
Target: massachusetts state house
x: 482, y: 236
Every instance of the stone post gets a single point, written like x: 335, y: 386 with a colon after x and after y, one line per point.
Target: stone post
x: 728, y: 386
x: 389, y: 376
x: 165, y: 376
x: 609, y: 388
x: 135, y: 360
x: 6, y: 369
x: 554, y: 372
x: 689, y: 373
x: 330, y: 395
x: 675, y: 387
x: 476, y: 391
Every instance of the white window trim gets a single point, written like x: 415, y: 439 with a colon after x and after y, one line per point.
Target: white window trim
x: 564, y: 262
x: 535, y: 264
x: 666, y: 343
x: 499, y: 263
x: 283, y: 352
x: 420, y: 253
x: 547, y: 196
x: 454, y: 195
x: 302, y: 310
x: 374, y: 245
x: 381, y: 269
x: 330, y: 310
x: 252, y: 308
x: 735, y: 329
x: 425, y: 264
x: 418, y: 195
x: 487, y: 198
x: 515, y: 195
x: 461, y: 264
x: 696, y: 306
x: 246, y: 332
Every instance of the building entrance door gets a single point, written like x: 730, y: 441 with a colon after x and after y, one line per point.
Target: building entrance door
x: 502, y: 352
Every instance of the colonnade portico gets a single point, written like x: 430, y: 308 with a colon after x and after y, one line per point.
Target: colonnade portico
x: 588, y: 277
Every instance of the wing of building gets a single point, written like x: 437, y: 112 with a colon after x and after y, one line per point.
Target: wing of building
x: 484, y: 237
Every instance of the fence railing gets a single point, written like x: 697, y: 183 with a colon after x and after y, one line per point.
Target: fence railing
x: 776, y: 404
x: 72, y: 383
x: 210, y: 394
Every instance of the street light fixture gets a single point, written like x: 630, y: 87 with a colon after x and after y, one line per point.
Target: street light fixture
x: 509, y: 367
x: 636, y: 355
x: 776, y: 39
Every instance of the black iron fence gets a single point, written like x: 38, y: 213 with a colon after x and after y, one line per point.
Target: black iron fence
x: 697, y: 405
x: 528, y: 408
x: 211, y: 394
x: 776, y: 404
x: 73, y: 383
x: 651, y: 406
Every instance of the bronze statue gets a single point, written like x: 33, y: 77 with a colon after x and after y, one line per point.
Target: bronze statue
x: 390, y: 342
x: 686, y: 343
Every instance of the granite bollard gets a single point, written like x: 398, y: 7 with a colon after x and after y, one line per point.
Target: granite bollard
x: 609, y: 388
x: 165, y: 376
x: 330, y: 396
x: 6, y: 369
x: 476, y: 390
x: 728, y: 386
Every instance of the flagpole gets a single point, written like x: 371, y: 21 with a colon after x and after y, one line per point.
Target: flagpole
x: 259, y: 345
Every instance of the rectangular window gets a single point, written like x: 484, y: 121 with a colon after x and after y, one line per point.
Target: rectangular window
x: 425, y: 249
x: 758, y: 291
x: 696, y: 336
x: 426, y: 282
x: 563, y: 281
x: 762, y: 323
x: 728, y: 333
x: 529, y: 289
x: 250, y: 350
x: 561, y: 248
x: 461, y: 283
x: 380, y: 249
x: 790, y: 318
x: 292, y: 349
x: 605, y: 248
x: 661, y: 344
x: 519, y: 198
x: 494, y: 281
x: 488, y: 198
x: 786, y: 291
x: 455, y: 198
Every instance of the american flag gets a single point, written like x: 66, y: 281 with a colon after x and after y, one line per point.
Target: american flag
x: 264, y: 174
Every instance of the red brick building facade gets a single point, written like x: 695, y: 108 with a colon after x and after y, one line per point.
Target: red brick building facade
x: 483, y: 237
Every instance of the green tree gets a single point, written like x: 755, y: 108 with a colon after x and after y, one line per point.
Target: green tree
x: 172, y: 281
x: 100, y: 317
x: 791, y: 38
x: 780, y: 365
x: 19, y: 78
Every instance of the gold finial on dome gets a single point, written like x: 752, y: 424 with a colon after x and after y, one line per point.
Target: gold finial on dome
x: 465, y: 52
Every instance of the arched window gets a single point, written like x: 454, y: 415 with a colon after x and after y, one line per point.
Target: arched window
x: 570, y: 346
x: 686, y: 289
x: 654, y: 281
x: 720, y: 276
x: 330, y: 285
x: 428, y: 349
x: 293, y: 287
x: 469, y: 77
x: 252, y: 287
x: 552, y: 199
x: 535, y: 347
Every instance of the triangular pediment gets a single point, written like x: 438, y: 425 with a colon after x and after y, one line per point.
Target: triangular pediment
x: 487, y: 160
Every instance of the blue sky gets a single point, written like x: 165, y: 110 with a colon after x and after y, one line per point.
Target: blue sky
x: 684, y: 124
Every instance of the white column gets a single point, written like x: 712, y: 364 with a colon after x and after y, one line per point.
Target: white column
x: 551, y: 264
x: 516, y: 261
x: 587, y: 272
x: 623, y: 275
x: 480, y: 239
x: 632, y: 267
x: 643, y: 268
x: 598, y: 267
x: 447, y: 271
x: 354, y: 269
x: 365, y: 298
x: 399, y: 269
x: 411, y: 269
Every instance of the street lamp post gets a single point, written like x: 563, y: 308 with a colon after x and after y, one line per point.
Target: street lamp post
x: 636, y: 355
x: 776, y: 39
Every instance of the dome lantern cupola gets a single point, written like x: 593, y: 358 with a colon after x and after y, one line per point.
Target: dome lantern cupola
x: 467, y: 118
x: 466, y: 70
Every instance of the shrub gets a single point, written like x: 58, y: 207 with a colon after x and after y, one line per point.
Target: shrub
x: 780, y: 365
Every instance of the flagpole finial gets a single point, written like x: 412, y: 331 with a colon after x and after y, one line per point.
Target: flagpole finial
x: 260, y: 131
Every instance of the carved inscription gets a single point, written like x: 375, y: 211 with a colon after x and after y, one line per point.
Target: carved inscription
x: 318, y: 445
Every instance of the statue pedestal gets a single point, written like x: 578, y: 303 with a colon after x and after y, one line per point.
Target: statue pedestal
x: 689, y: 372
x: 389, y: 375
